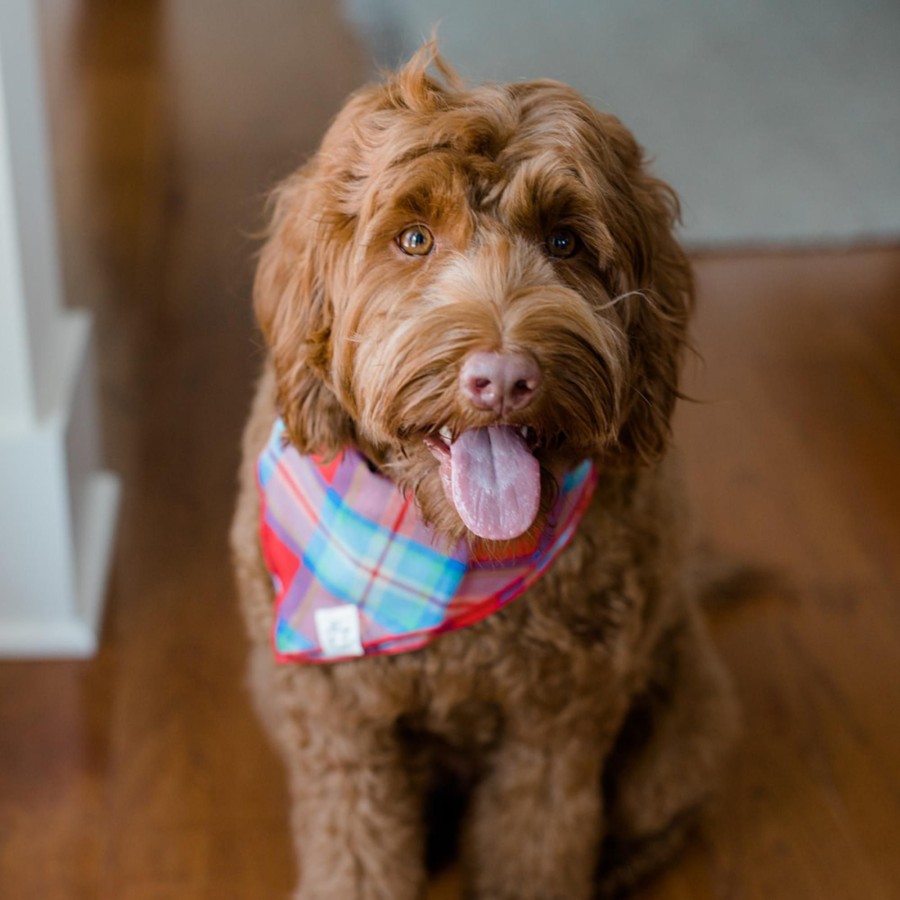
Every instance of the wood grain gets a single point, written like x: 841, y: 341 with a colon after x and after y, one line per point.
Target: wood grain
x: 143, y: 773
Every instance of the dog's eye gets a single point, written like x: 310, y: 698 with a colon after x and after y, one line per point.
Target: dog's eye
x: 562, y: 243
x: 416, y: 240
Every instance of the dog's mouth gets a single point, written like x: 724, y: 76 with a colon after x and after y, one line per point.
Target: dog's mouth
x: 492, y: 477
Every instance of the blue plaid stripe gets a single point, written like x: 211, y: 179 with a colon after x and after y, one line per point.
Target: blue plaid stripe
x: 268, y: 460
x: 428, y: 584
x: 341, y: 568
x: 402, y: 583
x: 288, y: 640
x: 576, y: 477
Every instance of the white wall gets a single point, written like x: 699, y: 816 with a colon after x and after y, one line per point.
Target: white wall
x: 777, y: 121
x: 57, y: 505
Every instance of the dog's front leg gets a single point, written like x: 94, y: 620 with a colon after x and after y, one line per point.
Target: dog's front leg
x: 535, y: 823
x: 357, y: 816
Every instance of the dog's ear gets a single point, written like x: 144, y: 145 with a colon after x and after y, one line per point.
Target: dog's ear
x: 657, y: 284
x: 293, y: 306
x: 310, y: 243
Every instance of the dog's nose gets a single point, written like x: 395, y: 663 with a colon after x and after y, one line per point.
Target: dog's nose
x: 500, y: 382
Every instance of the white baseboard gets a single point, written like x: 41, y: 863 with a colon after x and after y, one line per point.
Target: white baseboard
x: 75, y: 635
x: 58, y: 511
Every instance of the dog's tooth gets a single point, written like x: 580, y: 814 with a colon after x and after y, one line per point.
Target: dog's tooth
x: 524, y: 431
x: 445, y: 434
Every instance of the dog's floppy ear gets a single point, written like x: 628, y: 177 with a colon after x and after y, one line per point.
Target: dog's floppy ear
x: 656, y: 277
x: 311, y: 238
x: 293, y: 306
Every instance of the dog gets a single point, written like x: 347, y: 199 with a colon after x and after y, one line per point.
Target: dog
x: 475, y: 312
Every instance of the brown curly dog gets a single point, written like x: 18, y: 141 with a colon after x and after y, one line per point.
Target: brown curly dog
x: 475, y: 290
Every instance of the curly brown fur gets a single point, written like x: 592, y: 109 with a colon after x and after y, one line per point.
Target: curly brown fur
x: 366, y: 345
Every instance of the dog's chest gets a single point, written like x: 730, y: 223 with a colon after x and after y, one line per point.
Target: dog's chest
x: 468, y: 683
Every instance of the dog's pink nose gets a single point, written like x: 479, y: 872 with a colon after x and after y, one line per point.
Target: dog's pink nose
x: 500, y: 382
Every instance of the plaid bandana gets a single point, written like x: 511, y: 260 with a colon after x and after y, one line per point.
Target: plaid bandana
x: 357, y: 572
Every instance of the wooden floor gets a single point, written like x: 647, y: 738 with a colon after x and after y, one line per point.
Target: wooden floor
x: 142, y: 774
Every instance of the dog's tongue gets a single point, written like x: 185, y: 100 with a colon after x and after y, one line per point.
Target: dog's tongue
x: 495, y: 482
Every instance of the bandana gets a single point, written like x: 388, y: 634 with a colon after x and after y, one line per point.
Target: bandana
x: 357, y: 572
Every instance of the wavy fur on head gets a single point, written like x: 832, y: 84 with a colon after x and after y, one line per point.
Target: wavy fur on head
x: 589, y: 718
x: 367, y: 342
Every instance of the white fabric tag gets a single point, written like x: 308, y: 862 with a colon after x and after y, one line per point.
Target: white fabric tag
x: 338, y: 630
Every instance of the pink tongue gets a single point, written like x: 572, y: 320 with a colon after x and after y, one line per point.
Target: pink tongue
x: 495, y: 482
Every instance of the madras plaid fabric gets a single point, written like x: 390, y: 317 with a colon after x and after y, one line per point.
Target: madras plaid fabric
x: 357, y: 572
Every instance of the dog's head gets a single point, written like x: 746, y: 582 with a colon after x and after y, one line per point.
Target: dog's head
x: 479, y: 288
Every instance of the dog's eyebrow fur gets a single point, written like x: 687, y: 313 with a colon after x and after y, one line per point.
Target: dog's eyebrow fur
x: 439, y: 182
x: 545, y: 191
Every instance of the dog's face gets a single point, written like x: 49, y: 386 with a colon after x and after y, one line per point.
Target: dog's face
x: 479, y: 288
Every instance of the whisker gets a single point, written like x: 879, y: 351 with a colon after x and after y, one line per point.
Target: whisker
x: 615, y: 301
